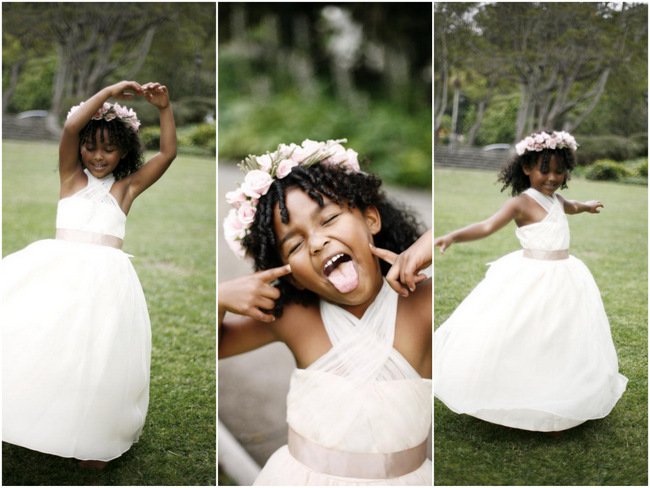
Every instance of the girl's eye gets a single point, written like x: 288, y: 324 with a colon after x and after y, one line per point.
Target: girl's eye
x: 293, y: 248
x: 330, y: 219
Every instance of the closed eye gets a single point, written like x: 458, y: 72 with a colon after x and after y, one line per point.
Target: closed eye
x: 330, y: 219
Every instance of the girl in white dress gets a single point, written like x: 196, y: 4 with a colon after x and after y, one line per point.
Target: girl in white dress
x: 76, y: 340
x: 359, y: 405
x: 530, y: 347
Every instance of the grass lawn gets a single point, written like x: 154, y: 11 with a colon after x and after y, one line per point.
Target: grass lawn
x: 171, y: 233
x: 612, y: 451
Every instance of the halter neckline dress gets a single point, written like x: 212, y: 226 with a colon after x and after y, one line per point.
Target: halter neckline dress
x: 360, y: 414
x: 530, y: 347
x: 76, y: 339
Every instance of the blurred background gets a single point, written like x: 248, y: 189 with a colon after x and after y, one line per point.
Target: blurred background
x: 294, y: 71
x: 55, y: 55
x: 361, y: 71
x: 504, y: 70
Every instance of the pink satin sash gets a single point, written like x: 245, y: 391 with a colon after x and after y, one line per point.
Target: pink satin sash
x: 366, y: 465
x: 89, y: 238
x: 546, y: 255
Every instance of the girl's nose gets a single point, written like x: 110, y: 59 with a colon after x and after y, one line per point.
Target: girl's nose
x: 317, y: 243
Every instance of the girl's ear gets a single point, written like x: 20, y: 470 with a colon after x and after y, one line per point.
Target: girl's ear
x: 373, y: 219
x: 124, y: 154
x: 526, y: 169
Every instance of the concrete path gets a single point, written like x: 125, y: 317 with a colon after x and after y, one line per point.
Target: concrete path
x: 253, y: 386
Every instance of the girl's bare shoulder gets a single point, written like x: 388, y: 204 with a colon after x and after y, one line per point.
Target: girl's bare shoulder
x: 301, y: 329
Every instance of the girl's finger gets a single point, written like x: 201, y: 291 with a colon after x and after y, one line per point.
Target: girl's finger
x: 389, y: 256
x: 269, y: 275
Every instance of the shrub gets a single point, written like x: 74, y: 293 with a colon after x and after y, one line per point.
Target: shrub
x: 607, y: 170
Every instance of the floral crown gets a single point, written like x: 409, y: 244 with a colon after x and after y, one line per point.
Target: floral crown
x: 544, y: 140
x: 110, y: 111
x: 260, y: 173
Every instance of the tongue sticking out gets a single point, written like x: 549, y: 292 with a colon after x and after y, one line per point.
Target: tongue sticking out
x: 344, y: 277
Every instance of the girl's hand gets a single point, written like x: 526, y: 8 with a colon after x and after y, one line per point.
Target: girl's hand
x: 118, y: 90
x: 248, y: 294
x: 404, y: 272
x: 594, y: 206
x: 443, y: 242
x: 156, y: 94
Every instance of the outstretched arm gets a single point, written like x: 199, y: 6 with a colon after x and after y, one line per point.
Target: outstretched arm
x: 157, y: 95
x: 69, y: 145
x: 511, y: 210
x: 573, y: 207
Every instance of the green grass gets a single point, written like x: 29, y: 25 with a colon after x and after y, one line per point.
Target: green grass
x: 612, y: 451
x: 171, y: 233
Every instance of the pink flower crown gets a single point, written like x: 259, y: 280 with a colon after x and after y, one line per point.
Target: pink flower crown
x: 260, y: 173
x: 110, y: 111
x: 544, y: 140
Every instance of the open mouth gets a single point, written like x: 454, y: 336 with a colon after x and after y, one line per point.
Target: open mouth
x: 341, y: 271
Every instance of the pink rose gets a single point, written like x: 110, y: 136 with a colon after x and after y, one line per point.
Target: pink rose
x: 236, y: 197
x: 353, y: 160
x: 246, y: 214
x: 256, y: 183
x: 233, y: 227
x: 265, y: 162
x: 284, y: 168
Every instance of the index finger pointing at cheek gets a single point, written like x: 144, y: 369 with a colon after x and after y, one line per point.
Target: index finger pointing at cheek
x: 273, y: 274
x: 385, y: 254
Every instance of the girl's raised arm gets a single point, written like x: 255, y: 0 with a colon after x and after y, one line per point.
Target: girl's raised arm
x: 157, y: 95
x: 511, y: 210
x: 69, y: 145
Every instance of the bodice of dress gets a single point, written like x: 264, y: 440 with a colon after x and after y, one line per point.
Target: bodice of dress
x: 361, y: 396
x: 552, y: 232
x: 92, y: 209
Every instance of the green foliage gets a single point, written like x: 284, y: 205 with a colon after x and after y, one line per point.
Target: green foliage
x: 34, y: 91
x: 612, y: 451
x: 396, y: 143
x: 171, y: 234
x: 498, y: 124
x: 606, y: 170
x: 198, y: 139
x: 612, y: 147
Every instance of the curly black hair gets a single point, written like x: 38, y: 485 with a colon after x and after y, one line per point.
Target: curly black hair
x: 512, y: 173
x: 123, y: 137
x: 400, y: 227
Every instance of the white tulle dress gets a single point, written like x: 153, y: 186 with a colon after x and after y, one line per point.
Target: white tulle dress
x: 359, y: 415
x: 530, y: 347
x: 76, y: 339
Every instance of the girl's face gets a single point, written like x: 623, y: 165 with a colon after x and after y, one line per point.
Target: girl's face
x: 101, y: 158
x: 548, y: 182
x: 328, y: 250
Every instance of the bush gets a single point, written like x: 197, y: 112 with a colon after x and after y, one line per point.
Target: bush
x: 607, y: 170
x: 611, y: 147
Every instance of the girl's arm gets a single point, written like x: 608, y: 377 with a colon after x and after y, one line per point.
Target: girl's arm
x: 404, y: 272
x: 511, y: 210
x: 69, y: 145
x: 246, y: 296
x: 157, y: 95
x: 573, y: 207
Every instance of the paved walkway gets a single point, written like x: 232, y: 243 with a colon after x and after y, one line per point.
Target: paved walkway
x: 253, y: 386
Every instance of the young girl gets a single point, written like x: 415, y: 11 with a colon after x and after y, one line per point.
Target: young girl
x: 359, y: 405
x: 530, y: 347
x: 76, y: 342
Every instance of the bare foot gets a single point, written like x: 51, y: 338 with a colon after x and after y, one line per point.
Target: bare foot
x: 96, y: 465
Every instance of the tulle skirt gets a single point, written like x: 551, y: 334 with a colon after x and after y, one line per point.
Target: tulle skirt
x: 76, y: 349
x: 530, y: 347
